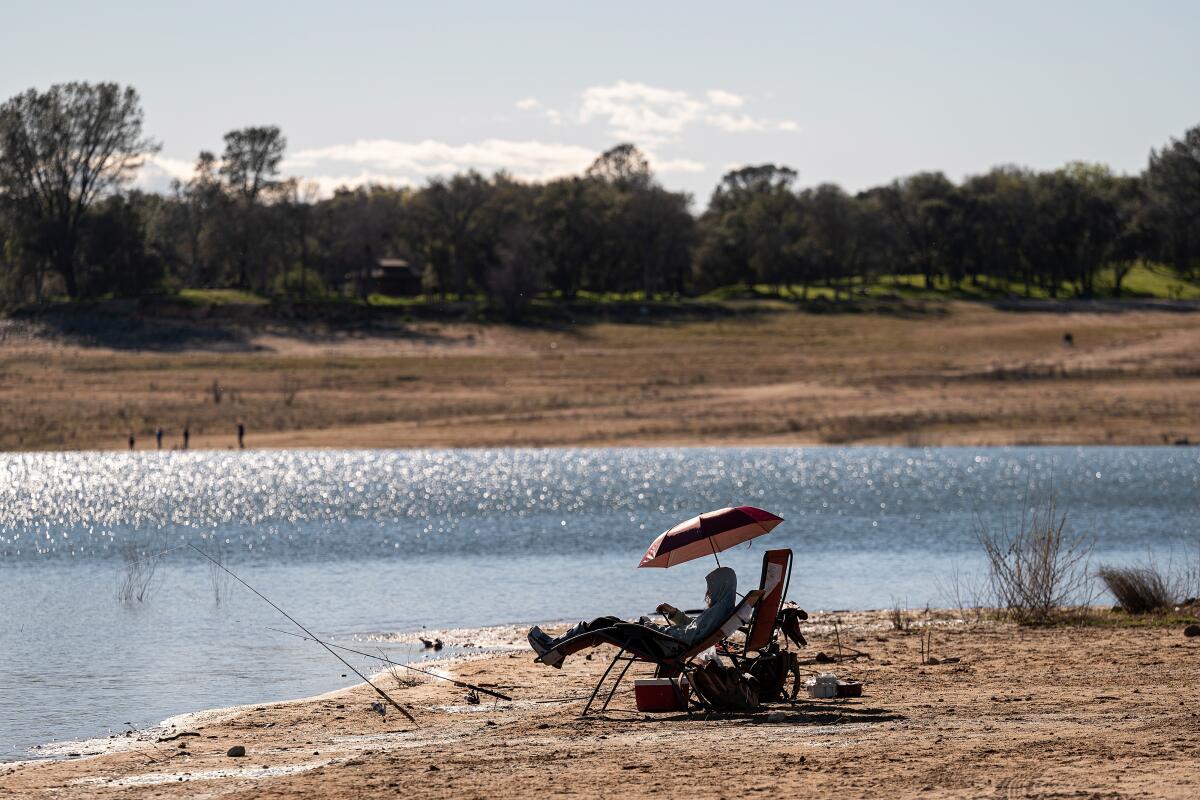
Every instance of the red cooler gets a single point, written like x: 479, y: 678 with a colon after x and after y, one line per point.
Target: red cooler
x: 658, y: 694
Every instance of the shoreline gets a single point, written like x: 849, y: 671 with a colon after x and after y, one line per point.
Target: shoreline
x: 497, y: 640
x: 676, y: 445
x: 1027, y: 710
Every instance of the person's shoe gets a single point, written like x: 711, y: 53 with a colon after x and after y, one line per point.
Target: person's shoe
x: 540, y: 643
x: 553, y: 658
x: 538, y: 640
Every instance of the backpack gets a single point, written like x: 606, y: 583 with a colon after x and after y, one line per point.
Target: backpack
x: 725, y: 688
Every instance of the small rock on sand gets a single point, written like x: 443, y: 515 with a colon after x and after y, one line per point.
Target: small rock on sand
x: 1191, y: 630
x: 237, y: 751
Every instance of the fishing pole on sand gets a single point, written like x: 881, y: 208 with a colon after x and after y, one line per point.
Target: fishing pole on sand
x: 386, y: 660
x: 296, y: 622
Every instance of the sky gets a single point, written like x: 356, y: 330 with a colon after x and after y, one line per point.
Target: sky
x: 855, y: 93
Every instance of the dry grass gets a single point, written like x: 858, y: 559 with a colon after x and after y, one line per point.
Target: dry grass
x: 775, y: 378
x: 1139, y: 590
x: 137, y: 575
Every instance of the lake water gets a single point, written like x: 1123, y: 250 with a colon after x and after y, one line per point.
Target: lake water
x: 364, y: 544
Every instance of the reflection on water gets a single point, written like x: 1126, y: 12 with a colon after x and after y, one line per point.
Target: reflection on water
x: 360, y: 542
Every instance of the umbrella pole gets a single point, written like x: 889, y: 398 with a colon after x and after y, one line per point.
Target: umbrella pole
x: 714, y: 549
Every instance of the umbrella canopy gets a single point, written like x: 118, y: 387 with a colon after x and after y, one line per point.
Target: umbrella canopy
x: 708, y: 534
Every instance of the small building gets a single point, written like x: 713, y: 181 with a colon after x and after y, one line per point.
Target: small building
x: 396, y: 277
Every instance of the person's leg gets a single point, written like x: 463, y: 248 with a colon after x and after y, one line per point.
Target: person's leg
x: 578, y: 637
x: 599, y: 623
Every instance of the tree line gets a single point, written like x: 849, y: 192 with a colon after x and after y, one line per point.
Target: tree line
x: 70, y: 225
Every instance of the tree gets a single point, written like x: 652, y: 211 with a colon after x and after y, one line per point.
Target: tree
x: 751, y: 227
x: 572, y: 217
x: 250, y: 167
x: 61, y: 150
x: 1173, y: 189
x: 623, y: 166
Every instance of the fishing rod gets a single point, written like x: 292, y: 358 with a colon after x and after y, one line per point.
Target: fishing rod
x: 296, y: 622
x: 460, y: 684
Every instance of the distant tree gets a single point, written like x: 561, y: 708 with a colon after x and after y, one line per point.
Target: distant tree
x: 1076, y: 228
x: 573, y: 220
x: 448, y: 227
x: 1172, y: 183
x: 515, y: 277
x: 353, y: 230
x: 750, y: 231
x: 623, y: 166
x: 833, y: 235
x: 250, y: 168
x: 921, y: 207
x: 115, y: 254
x: 61, y: 150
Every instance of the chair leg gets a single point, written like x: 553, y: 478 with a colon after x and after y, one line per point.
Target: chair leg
x: 613, y: 690
x: 600, y: 683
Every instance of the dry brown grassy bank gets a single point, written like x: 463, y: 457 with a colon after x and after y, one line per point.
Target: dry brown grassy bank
x: 968, y: 374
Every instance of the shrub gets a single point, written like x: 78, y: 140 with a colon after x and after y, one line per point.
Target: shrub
x: 1138, y: 589
x: 1035, y: 568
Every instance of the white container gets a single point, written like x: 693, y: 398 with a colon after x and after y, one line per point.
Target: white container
x: 822, y: 686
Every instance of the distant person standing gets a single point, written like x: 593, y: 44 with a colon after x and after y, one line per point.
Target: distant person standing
x: 131, y: 441
x: 186, y: 435
x: 158, y: 436
x: 241, y: 436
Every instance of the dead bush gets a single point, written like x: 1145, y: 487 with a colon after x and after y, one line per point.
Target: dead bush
x: 1036, y: 567
x: 1139, y: 590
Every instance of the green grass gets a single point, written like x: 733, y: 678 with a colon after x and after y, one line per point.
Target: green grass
x: 221, y: 297
x: 1152, y: 280
x: 1144, y: 281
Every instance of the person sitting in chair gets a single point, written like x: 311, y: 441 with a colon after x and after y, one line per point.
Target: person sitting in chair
x: 721, y: 599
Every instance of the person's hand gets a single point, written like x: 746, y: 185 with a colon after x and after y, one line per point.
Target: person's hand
x: 666, y: 608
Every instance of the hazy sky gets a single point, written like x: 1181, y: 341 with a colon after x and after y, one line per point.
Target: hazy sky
x: 855, y: 93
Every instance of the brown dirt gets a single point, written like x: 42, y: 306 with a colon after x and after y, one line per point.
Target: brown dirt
x: 968, y: 374
x: 1058, y: 712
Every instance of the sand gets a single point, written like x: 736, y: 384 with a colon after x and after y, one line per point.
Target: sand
x: 947, y: 374
x: 1093, y: 711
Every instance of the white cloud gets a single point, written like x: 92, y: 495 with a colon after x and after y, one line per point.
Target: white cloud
x: 326, y: 184
x: 528, y: 103
x: 533, y: 160
x: 735, y: 124
x: 670, y: 165
x: 651, y: 115
x: 723, y: 99
x: 642, y: 113
x: 157, y: 172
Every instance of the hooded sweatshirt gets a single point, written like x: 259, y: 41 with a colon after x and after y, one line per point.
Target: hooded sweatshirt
x: 722, y: 599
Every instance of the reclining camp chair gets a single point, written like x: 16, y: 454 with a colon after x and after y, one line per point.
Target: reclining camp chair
x: 762, y: 652
x: 673, y: 658
x: 761, y: 631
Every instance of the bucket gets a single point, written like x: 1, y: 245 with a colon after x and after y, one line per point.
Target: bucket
x: 659, y: 694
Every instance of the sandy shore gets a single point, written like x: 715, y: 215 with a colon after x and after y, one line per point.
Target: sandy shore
x: 1058, y: 712
x: 951, y: 374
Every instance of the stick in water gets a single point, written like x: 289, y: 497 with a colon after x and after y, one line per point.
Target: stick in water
x: 296, y: 622
x: 461, y: 684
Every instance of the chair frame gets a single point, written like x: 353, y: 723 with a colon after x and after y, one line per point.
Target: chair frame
x: 674, y: 668
x: 739, y: 658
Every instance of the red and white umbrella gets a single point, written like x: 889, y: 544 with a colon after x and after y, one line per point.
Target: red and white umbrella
x: 708, y: 534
